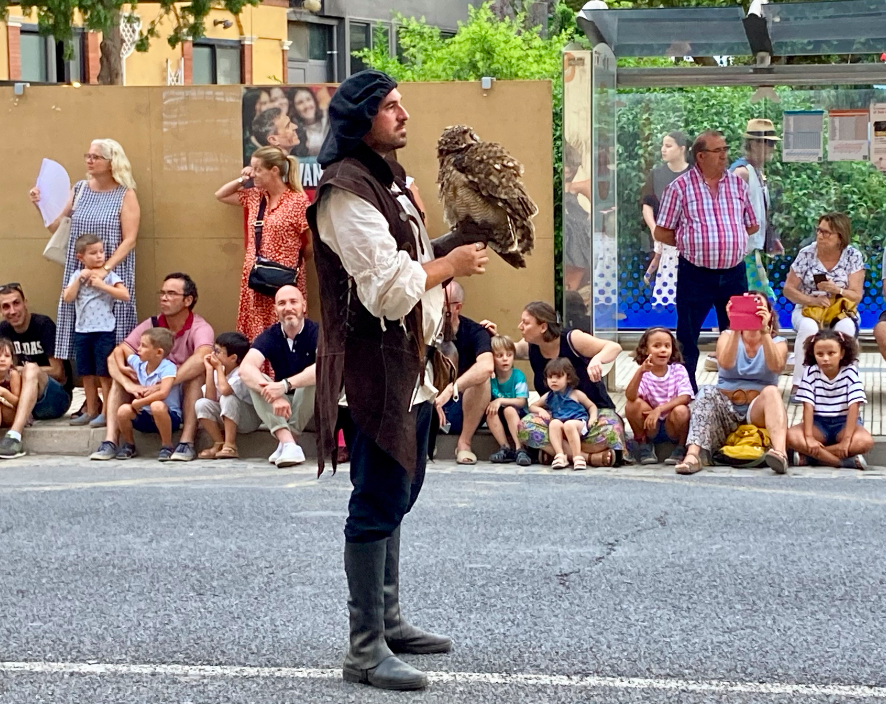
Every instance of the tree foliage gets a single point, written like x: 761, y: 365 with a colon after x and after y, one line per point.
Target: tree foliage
x: 56, y: 18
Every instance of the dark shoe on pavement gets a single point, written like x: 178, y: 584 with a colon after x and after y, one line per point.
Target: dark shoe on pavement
x: 647, y: 453
x: 126, y: 451
x: 369, y: 659
x: 522, y: 458
x: 677, y: 455
x: 184, y: 452
x: 106, y: 451
x: 10, y: 448
x: 165, y: 454
x: 503, y: 455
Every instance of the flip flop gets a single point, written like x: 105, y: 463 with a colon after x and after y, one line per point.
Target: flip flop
x: 777, y: 461
x: 210, y: 453
x: 604, y: 458
x: 465, y: 457
x: 228, y: 452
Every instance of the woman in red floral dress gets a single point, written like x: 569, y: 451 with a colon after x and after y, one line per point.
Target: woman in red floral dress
x: 285, y: 236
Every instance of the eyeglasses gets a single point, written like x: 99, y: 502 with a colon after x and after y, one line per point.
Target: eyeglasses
x: 822, y: 231
x: 720, y: 150
x: 95, y: 157
x: 169, y: 294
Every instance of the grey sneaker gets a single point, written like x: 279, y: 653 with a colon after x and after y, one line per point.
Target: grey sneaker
x: 677, y: 456
x: 165, y: 454
x: 647, y: 454
x: 184, y: 452
x: 106, y: 451
x: 82, y: 419
x: 98, y: 422
x: 10, y: 448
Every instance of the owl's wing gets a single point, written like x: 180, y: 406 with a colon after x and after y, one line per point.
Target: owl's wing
x: 497, y: 176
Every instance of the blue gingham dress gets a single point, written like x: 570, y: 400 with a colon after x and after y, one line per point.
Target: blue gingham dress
x: 97, y: 214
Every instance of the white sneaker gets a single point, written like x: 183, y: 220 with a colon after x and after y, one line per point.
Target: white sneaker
x: 276, y: 453
x: 290, y: 455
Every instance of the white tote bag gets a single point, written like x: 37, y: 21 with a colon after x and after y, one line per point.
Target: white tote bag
x: 56, y: 249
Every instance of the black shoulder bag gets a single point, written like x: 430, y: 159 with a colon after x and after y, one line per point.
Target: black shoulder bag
x: 268, y: 276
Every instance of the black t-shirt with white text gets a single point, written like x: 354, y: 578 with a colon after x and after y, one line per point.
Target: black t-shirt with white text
x: 36, y: 344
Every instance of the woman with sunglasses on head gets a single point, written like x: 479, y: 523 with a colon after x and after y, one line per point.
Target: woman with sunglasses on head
x: 828, y: 269
x: 102, y: 204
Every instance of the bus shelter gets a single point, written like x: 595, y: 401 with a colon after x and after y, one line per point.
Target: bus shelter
x: 615, y: 120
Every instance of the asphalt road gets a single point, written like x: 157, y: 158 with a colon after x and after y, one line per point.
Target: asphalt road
x: 210, y: 582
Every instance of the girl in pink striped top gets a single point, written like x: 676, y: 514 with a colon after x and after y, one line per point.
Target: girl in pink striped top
x: 658, y: 396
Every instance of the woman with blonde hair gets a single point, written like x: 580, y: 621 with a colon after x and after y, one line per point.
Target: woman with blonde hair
x: 271, y: 184
x: 103, y: 204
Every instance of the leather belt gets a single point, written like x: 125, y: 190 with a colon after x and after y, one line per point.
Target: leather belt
x: 740, y: 397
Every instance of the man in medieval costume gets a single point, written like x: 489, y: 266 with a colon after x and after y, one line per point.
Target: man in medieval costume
x: 382, y: 300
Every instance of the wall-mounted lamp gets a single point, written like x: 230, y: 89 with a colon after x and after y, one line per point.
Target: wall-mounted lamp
x: 226, y: 24
x: 486, y: 82
x: 19, y: 88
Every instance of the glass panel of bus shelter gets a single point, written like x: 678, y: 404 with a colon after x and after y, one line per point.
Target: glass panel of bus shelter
x: 590, y: 263
x: 648, y: 125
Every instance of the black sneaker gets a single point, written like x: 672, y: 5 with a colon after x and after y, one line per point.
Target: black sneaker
x: 647, y: 454
x: 165, y: 454
x: 10, y: 448
x: 106, y: 451
x: 126, y: 451
x: 504, y: 454
x: 522, y: 457
x: 677, y: 456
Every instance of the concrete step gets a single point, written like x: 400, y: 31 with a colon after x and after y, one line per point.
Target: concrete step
x: 59, y: 438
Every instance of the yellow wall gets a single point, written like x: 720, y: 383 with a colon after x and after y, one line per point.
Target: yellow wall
x: 266, y: 24
x: 184, y: 143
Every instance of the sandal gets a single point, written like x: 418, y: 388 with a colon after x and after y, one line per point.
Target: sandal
x: 560, y: 461
x: 210, y: 453
x: 228, y: 452
x: 690, y: 465
x: 604, y: 458
x: 777, y: 461
x: 465, y: 457
x: 579, y: 463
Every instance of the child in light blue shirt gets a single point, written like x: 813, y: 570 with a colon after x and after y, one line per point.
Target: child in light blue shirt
x: 510, y: 397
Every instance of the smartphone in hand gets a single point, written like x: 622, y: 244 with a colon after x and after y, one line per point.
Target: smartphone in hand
x: 819, y: 278
x: 743, y: 314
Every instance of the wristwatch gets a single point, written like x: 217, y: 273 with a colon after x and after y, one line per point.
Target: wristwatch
x: 241, y: 180
x: 287, y: 387
x: 105, y: 267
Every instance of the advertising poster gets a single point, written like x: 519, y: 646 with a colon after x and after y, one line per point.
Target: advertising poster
x: 294, y: 118
x: 803, y: 135
x: 878, y: 136
x: 848, y: 135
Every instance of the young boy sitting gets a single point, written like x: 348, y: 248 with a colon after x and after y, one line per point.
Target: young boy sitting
x: 93, y: 291
x: 226, y: 407
x: 157, y: 407
x: 510, y: 396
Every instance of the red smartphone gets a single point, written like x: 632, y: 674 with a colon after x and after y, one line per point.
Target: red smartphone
x: 743, y: 313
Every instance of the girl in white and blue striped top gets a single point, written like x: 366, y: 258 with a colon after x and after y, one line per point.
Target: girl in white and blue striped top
x: 831, y: 393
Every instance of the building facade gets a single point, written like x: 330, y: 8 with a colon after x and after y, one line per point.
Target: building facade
x: 278, y: 41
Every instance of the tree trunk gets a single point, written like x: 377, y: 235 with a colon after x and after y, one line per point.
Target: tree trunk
x: 111, y: 71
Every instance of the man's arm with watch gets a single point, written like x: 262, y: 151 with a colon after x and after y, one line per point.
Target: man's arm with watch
x: 306, y: 377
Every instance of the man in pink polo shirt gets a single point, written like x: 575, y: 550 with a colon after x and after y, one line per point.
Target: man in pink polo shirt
x: 707, y: 214
x: 194, y: 338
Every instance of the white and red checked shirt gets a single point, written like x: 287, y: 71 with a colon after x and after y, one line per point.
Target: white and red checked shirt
x: 710, y: 232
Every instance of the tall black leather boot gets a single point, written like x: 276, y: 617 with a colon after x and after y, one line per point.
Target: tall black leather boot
x: 402, y: 637
x: 369, y: 659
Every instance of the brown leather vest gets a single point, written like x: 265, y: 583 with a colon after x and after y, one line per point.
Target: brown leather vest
x: 377, y: 368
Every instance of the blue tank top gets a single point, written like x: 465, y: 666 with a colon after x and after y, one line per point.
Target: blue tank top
x: 564, y: 408
x: 748, y: 372
x: 596, y: 391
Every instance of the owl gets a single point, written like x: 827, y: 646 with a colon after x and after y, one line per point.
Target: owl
x: 480, y: 181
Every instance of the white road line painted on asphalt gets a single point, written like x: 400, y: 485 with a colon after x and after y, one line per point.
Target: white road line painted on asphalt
x: 590, y: 682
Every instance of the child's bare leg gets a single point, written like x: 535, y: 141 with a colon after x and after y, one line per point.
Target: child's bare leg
x: 7, y: 416
x: 795, y: 440
x: 634, y: 411
x: 125, y: 416
x: 677, y: 424
x: 555, y: 430
x: 512, y: 416
x: 230, y: 432
x: 861, y: 442
x: 212, y: 429
x: 105, y: 382
x: 493, y: 422
x: 822, y: 455
x: 90, y: 388
x: 160, y: 411
x: 572, y: 429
